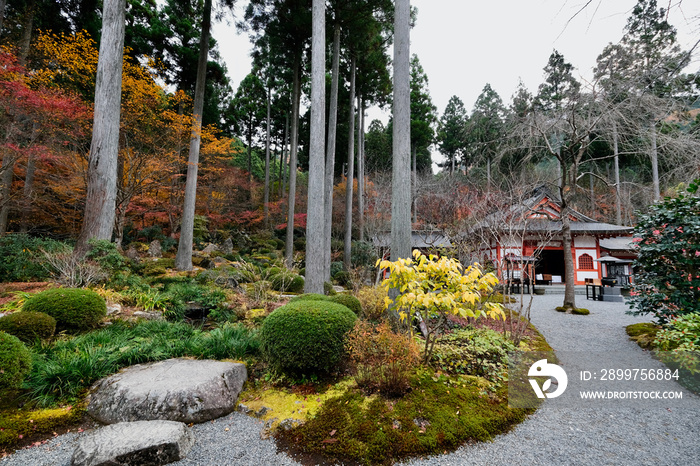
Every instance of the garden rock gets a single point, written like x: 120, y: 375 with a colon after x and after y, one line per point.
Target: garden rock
x: 148, y: 315
x: 227, y: 247
x: 142, y: 442
x: 210, y: 248
x: 155, y: 249
x: 114, y: 308
x: 290, y: 423
x: 132, y: 254
x: 182, y: 390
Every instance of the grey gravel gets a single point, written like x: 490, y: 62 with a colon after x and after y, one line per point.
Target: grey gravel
x: 607, y: 435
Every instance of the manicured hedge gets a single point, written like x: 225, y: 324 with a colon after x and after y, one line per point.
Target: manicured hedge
x: 73, y: 308
x: 28, y: 326
x: 306, y: 336
x: 15, y: 361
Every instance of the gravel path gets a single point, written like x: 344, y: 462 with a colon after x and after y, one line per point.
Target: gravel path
x: 614, y: 433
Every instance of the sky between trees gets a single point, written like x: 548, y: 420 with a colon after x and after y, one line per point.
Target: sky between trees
x: 464, y: 45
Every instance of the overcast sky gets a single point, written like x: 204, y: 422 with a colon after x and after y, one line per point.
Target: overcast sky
x: 463, y: 45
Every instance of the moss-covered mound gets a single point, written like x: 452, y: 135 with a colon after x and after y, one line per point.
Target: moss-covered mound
x: 644, y: 334
x: 73, y: 308
x: 307, y: 336
x: 573, y: 310
x: 435, y: 416
x: 15, y: 362
x: 28, y: 326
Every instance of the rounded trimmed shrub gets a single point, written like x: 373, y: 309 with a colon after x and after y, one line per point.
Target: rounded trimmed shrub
x: 307, y: 336
x: 287, y: 281
x: 73, y: 308
x: 15, y: 361
x: 309, y: 297
x: 348, y: 301
x: 28, y: 326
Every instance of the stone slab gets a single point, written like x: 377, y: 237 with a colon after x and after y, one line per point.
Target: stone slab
x: 184, y: 390
x: 134, y: 443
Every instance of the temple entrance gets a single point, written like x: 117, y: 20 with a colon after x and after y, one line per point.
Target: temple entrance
x: 551, y: 262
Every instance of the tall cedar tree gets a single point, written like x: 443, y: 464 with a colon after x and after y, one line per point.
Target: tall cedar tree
x: 452, y: 132
x: 315, y: 208
x: 98, y: 222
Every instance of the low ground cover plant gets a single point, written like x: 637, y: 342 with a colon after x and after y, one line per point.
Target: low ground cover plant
x: 472, y: 351
x: 676, y: 344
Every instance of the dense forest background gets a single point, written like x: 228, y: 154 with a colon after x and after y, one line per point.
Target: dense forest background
x: 611, y: 147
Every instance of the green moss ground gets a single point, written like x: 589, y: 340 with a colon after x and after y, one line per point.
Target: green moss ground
x: 25, y: 426
x: 644, y: 334
x: 432, y: 418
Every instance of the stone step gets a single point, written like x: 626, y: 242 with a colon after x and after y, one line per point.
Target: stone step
x: 141, y: 442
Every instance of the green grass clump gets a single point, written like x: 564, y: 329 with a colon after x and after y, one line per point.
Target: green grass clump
x: 28, y: 326
x: 15, y: 362
x: 62, y: 371
x: 307, y: 336
x: 430, y: 419
x: 73, y: 308
x: 287, y: 281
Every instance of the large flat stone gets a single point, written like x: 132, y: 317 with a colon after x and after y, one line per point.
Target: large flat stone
x: 181, y: 390
x: 134, y: 443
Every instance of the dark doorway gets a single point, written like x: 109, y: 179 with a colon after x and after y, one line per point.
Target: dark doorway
x: 551, y: 262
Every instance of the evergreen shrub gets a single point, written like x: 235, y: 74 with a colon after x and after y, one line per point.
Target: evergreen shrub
x: 667, y: 268
x: 306, y: 336
x: 22, y: 257
x: 344, y: 299
x: 336, y: 268
x: 15, y: 361
x: 73, y: 308
x: 28, y: 326
x: 348, y: 301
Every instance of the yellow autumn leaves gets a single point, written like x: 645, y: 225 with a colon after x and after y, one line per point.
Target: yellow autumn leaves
x: 440, y: 285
